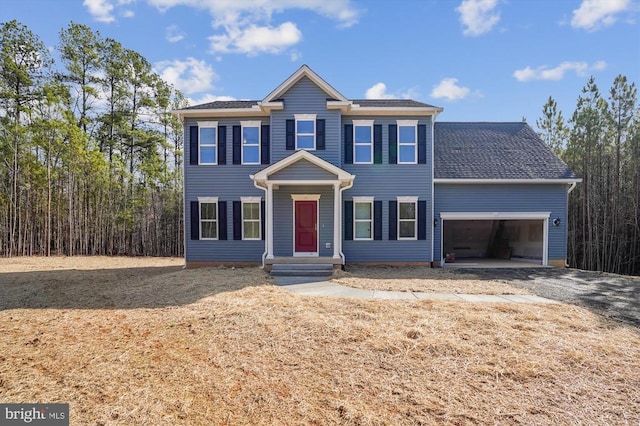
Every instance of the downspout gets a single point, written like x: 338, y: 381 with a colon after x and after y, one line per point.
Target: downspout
x: 571, y: 188
x: 264, y: 254
x: 341, y: 216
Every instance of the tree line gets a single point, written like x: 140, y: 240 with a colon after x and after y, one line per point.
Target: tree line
x: 601, y: 143
x: 90, y: 154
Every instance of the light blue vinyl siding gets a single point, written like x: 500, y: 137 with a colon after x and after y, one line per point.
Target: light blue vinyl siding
x: 506, y: 198
x: 385, y: 182
x: 283, y: 218
x: 306, y: 98
x: 303, y: 169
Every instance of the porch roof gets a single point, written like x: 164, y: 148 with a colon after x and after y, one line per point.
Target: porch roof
x: 263, y: 176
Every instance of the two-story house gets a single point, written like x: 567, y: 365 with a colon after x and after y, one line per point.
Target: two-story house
x: 306, y: 172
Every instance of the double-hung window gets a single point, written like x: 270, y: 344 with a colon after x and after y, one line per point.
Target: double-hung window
x: 250, y: 142
x: 407, y: 141
x: 363, y: 218
x: 407, y: 218
x: 208, y: 218
x: 208, y: 142
x: 363, y: 141
x: 251, y: 218
x: 305, y: 131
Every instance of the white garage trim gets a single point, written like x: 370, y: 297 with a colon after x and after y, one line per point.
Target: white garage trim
x: 544, y: 216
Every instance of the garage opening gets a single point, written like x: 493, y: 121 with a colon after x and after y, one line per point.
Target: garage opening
x: 503, y: 239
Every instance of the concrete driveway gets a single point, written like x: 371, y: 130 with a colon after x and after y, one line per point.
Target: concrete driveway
x: 614, y: 296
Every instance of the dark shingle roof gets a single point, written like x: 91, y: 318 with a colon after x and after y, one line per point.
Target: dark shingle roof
x: 494, y: 151
x: 225, y: 105
x: 393, y: 103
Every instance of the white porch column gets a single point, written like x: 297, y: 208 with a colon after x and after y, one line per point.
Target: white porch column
x: 337, y: 221
x: 269, y: 230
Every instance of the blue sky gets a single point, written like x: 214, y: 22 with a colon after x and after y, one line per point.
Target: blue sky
x: 481, y: 60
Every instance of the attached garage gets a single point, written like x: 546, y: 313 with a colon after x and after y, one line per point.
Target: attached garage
x: 495, y: 235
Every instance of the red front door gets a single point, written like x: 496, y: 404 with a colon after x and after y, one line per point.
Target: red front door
x: 306, y: 226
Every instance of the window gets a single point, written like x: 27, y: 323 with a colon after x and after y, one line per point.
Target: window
x: 407, y: 223
x: 208, y: 218
x: 363, y: 141
x: 208, y: 134
x: 363, y: 218
x: 407, y: 141
x: 251, y: 218
x: 250, y: 142
x: 305, y: 131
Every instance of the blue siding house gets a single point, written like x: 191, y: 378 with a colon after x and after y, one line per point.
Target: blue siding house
x: 307, y: 173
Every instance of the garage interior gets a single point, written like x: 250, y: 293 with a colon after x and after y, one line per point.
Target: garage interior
x: 509, y: 240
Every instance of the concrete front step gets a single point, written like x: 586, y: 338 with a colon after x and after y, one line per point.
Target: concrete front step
x: 301, y: 270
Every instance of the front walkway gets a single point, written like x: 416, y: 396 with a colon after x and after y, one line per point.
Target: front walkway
x: 309, y: 287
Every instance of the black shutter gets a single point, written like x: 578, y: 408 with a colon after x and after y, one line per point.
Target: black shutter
x: 422, y: 144
x: 237, y: 220
x: 348, y: 220
x: 291, y: 135
x: 195, y: 220
x: 377, y: 220
x: 193, y: 145
x: 377, y: 144
x: 320, y: 139
x: 422, y: 220
x: 393, y: 144
x: 393, y: 220
x: 222, y: 220
x: 262, y: 219
x: 348, y: 144
x: 222, y: 145
x: 237, y: 145
x: 266, y: 144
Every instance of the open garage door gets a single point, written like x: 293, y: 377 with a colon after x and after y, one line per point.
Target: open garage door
x: 506, y: 236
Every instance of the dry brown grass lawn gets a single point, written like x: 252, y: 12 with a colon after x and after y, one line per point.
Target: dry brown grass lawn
x: 131, y: 344
x: 421, y: 279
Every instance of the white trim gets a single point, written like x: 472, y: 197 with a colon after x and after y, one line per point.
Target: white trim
x: 505, y: 181
x: 363, y: 200
x: 208, y: 125
x: 304, y: 71
x: 305, y: 117
x: 251, y: 200
x: 342, y: 175
x: 356, y: 109
x: 407, y: 199
x: 429, y: 221
x: 363, y: 123
x: 306, y: 197
x: 408, y: 123
x: 243, y: 125
x: 208, y: 200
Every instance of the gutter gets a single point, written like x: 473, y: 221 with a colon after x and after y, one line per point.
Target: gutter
x: 264, y: 254
x: 342, y: 189
x: 571, y: 188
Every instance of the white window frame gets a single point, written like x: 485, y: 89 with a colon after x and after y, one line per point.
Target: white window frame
x: 305, y: 117
x: 252, y: 200
x: 245, y: 124
x: 362, y: 123
x: 208, y: 200
x: 408, y: 123
x: 406, y: 200
x: 363, y: 200
x: 207, y: 125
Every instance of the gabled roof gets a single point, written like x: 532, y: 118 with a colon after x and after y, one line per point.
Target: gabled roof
x: 304, y: 71
x: 505, y: 151
x: 263, y: 175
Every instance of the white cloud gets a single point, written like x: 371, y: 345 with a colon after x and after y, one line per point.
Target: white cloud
x: 478, y: 16
x: 557, y: 73
x: 449, y: 89
x: 595, y: 14
x: 378, y: 91
x: 189, y: 76
x: 128, y: 13
x: 173, y: 34
x: 207, y: 97
x: 100, y: 10
x: 254, y: 39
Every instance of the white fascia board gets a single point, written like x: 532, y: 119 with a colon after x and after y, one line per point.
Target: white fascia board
x: 222, y: 112
x: 506, y: 181
x: 341, y: 174
x: 304, y: 71
x: 494, y: 215
x: 358, y: 110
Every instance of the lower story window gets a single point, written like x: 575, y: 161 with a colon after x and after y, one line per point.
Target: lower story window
x: 208, y: 220
x: 251, y: 220
x: 363, y: 218
x: 407, y: 223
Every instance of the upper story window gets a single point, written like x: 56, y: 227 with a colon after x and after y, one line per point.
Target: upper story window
x: 305, y: 131
x: 207, y: 142
x: 407, y: 141
x: 208, y: 218
x: 250, y: 142
x: 363, y: 141
x: 407, y: 218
